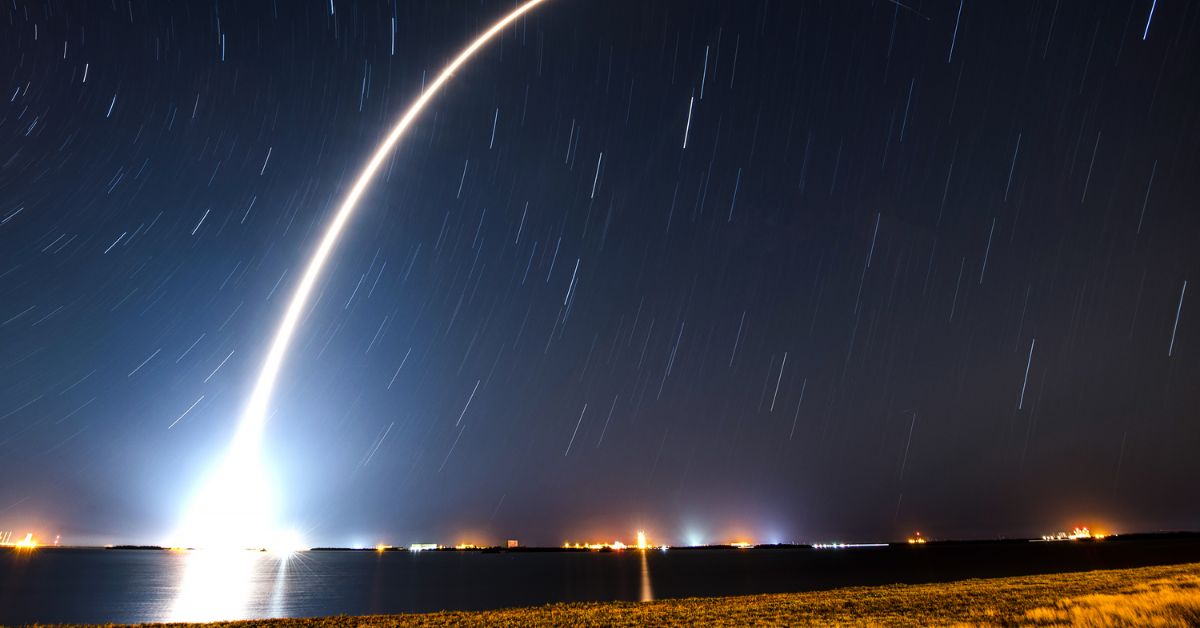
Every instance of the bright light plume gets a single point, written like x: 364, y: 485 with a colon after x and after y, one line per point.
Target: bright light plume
x: 28, y: 542
x: 235, y: 508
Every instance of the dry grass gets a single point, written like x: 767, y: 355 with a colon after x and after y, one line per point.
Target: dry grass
x: 1148, y: 596
x: 1165, y: 601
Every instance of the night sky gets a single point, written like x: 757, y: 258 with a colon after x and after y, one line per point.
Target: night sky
x: 792, y: 271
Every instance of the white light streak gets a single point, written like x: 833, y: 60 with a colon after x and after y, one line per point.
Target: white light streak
x: 197, y: 227
x: 139, y: 367
x: 610, y: 413
x: 265, y: 162
x: 521, y: 227
x: 463, y: 179
x: 110, y: 247
x: 954, y: 37
x: 185, y: 412
x: 495, y: 121
x: 987, y: 252
x: 597, y: 178
x: 210, y: 375
x: 234, y: 491
x: 1146, y: 31
x: 577, y: 424
x: 795, y: 417
x: 1025, y: 383
x: 778, y: 380
x: 252, y: 199
x: 571, y: 286
x: 687, y: 129
x: 469, y: 399
x: 255, y: 414
x: 1178, y: 311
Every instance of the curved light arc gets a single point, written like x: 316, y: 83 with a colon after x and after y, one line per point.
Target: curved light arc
x: 255, y: 414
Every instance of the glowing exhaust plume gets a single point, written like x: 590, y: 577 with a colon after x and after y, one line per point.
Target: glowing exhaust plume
x: 236, y: 503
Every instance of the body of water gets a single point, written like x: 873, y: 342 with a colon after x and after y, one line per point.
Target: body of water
x: 97, y: 585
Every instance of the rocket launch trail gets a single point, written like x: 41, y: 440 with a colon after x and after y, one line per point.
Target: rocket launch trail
x: 242, y: 458
x: 254, y: 416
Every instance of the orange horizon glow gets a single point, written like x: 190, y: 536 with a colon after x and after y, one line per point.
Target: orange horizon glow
x: 26, y: 543
x: 617, y: 545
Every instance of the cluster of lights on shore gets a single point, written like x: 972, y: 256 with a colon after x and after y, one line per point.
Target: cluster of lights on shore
x: 292, y: 543
x: 1080, y: 533
x: 618, y: 546
x: 26, y: 543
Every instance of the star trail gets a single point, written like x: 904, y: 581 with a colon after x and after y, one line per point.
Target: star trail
x: 787, y: 270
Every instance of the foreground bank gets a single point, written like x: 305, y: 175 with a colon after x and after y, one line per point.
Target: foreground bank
x: 1163, y: 596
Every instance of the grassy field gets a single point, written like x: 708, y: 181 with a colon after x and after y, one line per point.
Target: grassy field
x: 1148, y: 596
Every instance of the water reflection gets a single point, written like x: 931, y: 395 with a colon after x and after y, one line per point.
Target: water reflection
x: 647, y: 591
x: 279, y: 591
x: 228, y: 585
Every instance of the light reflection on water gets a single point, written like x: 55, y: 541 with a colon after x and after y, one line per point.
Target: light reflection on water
x: 647, y: 594
x: 233, y: 585
x: 216, y: 585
